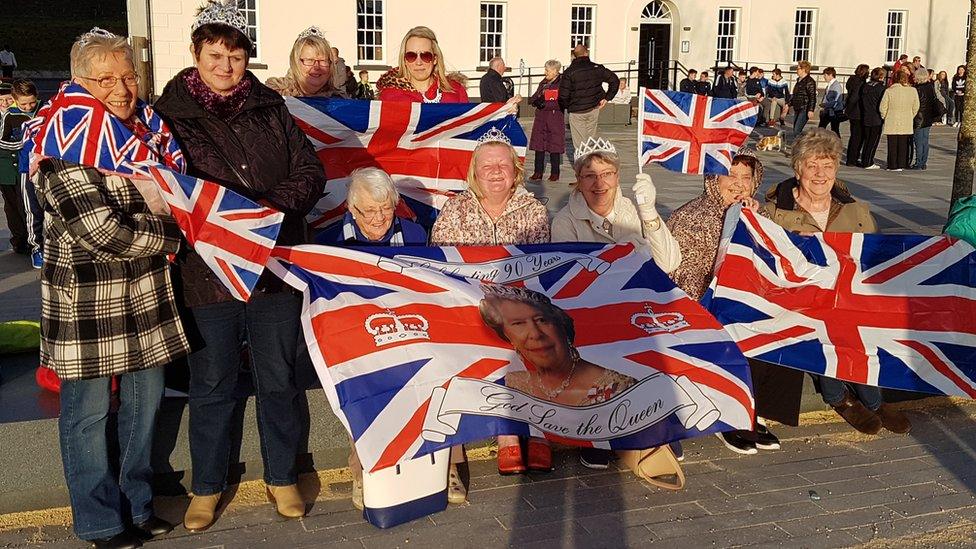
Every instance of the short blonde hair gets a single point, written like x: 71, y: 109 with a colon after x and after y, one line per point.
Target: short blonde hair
x: 815, y: 143
x: 473, y: 171
x: 321, y: 46
x: 440, y: 72
x: 805, y: 65
x: 88, y: 47
x: 374, y: 182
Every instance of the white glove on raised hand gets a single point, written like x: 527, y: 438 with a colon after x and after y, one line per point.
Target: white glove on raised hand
x: 645, y: 194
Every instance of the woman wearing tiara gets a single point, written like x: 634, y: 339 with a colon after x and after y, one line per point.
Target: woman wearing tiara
x: 310, y: 68
x: 238, y: 132
x: 599, y: 212
x: 495, y: 209
x: 421, y: 75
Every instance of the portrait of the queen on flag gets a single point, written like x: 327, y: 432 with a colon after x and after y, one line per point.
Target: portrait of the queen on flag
x: 419, y: 349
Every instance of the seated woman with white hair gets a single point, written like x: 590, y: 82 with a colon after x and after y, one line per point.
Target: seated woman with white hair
x: 371, y: 217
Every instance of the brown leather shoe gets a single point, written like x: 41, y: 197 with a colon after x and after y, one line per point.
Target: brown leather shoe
x: 858, y: 415
x: 536, y: 176
x: 200, y: 514
x: 893, y: 420
x: 288, y: 500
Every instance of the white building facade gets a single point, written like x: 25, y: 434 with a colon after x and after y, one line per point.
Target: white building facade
x: 653, y: 41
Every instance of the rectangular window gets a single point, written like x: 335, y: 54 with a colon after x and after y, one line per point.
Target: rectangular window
x: 895, y: 35
x: 250, y: 10
x: 803, y: 30
x: 369, y: 31
x: 492, y: 31
x: 728, y: 26
x: 581, y: 26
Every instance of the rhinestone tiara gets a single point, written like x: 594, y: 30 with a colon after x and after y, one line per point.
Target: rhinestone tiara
x: 592, y: 145
x: 96, y: 32
x: 223, y: 13
x: 311, y: 31
x: 494, y: 135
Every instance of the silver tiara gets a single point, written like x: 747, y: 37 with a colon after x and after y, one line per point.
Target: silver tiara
x: 494, y: 135
x: 592, y: 145
x: 514, y: 293
x: 96, y: 32
x: 222, y: 13
x: 311, y: 31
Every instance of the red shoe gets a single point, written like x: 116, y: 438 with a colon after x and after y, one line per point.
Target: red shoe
x: 554, y: 177
x: 510, y: 460
x: 536, y: 176
x: 540, y: 455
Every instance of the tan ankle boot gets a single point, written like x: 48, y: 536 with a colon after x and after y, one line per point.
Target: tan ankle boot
x: 288, y: 500
x: 200, y: 514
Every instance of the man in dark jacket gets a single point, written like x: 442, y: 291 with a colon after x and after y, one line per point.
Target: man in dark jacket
x: 493, y: 89
x: 929, y: 110
x: 871, y: 94
x: 726, y: 86
x: 688, y: 85
x: 853, y: 111
x: 804, y: 98
x: 703, y: 86
x: 581, y: 93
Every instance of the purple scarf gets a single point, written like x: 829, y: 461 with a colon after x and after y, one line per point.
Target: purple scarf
x: 221, y: 106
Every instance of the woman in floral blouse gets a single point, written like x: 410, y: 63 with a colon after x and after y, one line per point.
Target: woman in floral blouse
x: 495, y: 209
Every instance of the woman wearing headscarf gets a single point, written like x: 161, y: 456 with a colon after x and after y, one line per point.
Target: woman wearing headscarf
x: 697, y: 226
x: 310, y: 68
x: 238, y: 132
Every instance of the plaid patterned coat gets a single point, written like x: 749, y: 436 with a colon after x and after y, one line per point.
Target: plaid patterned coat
x: 107, y: 303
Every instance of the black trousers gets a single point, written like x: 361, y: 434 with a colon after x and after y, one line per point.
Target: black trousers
x: 777, y: 390
x: 855, y: 143
x: 831, y: 119
x: 958, y: 100
x: 898, y: 151
x: 13, y: 208
x: 872, y: 137
x: 540, y: 162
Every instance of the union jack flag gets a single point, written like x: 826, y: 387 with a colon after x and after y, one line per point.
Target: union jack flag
x: 233, y: 235
x: 691, y: 133
x: 426, y: 148
x: 886, y: 310
x: 388, y: 333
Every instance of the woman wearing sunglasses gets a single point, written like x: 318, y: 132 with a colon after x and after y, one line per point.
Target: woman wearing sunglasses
x: 421, y: 75
x: 310, y: 72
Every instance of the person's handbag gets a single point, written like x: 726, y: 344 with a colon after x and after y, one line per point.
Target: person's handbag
x: 655, y: 465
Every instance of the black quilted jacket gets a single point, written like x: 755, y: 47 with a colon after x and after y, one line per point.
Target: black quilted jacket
x: 804, y: 94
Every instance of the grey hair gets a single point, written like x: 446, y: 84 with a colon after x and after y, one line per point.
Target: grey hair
x: 554, y: 64
x: 585, y: 160
x: 815, y: 143
x: 375, y: 183
x: 921, y: 75
x: 493, y: 62
x: 91, y: 46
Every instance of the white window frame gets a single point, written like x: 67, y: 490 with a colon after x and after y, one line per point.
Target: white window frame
x: 248, y: 7
x: 486, y: 53
x: 588, y: 26
x: 895, y: 43
x: 732, y: 39
x: 810, y: 37
x: 378, y: 14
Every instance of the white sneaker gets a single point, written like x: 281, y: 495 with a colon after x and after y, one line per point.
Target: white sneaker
x: 873, y: 167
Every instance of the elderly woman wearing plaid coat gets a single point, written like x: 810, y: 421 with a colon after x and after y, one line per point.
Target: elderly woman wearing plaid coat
x: 107, y: 309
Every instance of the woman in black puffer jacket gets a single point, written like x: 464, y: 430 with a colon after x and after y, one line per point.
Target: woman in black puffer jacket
x: 236, y: 131
x: 929, y: 110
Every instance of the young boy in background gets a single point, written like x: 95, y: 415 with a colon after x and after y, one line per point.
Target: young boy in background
x: 25, y: 108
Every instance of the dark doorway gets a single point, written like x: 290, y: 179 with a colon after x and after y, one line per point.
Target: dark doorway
x: 655, y: 49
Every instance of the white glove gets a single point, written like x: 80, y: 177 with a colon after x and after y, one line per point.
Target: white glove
x: 646, y: 194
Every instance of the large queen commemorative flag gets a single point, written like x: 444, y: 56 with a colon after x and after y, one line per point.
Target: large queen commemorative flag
x: 425, y: 147
x: 419, y: 349
x: 886, y: 310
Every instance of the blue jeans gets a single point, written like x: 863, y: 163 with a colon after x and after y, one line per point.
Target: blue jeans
x: 799, y: 121
x: 105, y: 498
x: 833, y: 391
x: 922, y: 147
x: 271, y: 326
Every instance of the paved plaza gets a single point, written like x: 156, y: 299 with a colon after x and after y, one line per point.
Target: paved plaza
x: 827, y: 487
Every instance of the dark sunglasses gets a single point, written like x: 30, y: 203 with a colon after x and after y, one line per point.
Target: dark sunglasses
x: 425, y: 56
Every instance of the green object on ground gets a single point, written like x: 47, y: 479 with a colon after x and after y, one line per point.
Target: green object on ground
x: 19, y: 336
x: 962, y: 220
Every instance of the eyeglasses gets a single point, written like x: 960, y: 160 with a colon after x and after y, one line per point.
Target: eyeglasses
x: 373, y: 213
x: 320, y: 62
x: 425, y: 56
x: 592, y: 177
x: 108, y: 82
